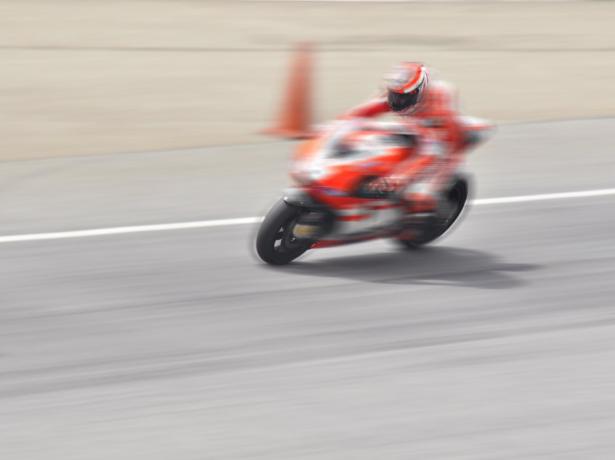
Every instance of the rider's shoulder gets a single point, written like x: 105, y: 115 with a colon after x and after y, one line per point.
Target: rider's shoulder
x: 440, y: 97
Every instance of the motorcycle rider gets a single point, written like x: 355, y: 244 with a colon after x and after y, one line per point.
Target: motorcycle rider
x: 429, y: 110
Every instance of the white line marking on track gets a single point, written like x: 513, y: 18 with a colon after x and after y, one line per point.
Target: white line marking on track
x: 131, y: 229
x: 253, y: 220
x: 544, y: 197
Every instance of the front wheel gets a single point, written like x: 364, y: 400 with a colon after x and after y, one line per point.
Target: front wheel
x: 275, y: 241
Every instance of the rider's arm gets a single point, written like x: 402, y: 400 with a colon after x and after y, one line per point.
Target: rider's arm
x: 373, y: 108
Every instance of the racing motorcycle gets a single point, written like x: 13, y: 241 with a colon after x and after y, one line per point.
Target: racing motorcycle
x: 334, y: 201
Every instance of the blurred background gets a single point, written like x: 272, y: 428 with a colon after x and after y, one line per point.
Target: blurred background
x: 99, y: 77
x: 495, y: 343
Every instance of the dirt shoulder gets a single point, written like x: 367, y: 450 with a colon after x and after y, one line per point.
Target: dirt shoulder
x: 94, y: 77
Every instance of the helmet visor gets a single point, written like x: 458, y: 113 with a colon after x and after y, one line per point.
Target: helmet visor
x: 400, y: 101
x: 403, y: 101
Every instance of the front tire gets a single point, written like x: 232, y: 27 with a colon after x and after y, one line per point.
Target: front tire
x: 275, y: 242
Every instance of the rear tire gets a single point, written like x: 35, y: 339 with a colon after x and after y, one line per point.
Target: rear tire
x: 275, y: 243
x: 436, y: 226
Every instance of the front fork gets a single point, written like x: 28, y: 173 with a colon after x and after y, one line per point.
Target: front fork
x: 315, y: 221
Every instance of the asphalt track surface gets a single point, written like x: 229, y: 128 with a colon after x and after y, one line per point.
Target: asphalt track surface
x: 498, y: 342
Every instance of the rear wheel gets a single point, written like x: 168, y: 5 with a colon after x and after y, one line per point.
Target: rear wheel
x: 435, y: 226
x: 275, y: 241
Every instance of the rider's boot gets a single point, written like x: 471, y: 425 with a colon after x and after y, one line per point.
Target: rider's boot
x: 420, y: 212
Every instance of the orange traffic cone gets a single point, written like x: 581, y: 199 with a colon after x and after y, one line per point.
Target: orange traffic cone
x: 295, y: 115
